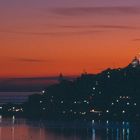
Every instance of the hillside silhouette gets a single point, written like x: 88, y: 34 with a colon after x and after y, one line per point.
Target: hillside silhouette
x: 113, y: 93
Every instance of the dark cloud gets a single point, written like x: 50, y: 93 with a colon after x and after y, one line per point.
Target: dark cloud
x: 54, y: 33
x: 97, y: 27
x: 29, y: 60
x: 80, y: 11
x: 82, y: 30
x: 29, y: 33
x: 136, y: 39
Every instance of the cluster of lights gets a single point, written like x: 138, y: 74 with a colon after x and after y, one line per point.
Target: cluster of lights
x: 128, y: 103
x: 85, y: 101
x: 83, y: 113
x: 124, y: 97
x: 78, y: 102
x: 13, y: 109
x: 108, y: 74
x: 95, y: 89
x: 92, y: 110
x: 123, y: 111
x: 95, y: 111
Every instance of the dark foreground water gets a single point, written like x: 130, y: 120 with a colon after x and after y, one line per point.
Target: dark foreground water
x: 21, y: 129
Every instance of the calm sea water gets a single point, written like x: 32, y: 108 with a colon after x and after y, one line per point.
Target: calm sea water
x: 15, y: 97
x: 21, y: 129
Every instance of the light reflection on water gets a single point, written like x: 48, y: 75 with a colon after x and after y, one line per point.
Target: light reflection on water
x: 21, y: 129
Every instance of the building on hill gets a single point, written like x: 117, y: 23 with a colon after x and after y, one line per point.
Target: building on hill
x: 135, y: 62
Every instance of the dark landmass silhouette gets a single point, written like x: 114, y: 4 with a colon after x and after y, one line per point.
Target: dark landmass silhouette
x: 111, y: 94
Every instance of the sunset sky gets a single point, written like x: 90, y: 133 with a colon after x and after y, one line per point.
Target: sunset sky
x: 46, y: 37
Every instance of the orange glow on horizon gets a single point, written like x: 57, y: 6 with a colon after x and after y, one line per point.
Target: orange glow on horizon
x: 36, y: 42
